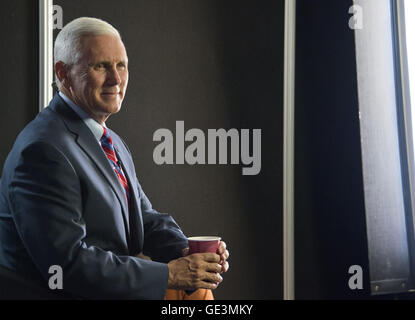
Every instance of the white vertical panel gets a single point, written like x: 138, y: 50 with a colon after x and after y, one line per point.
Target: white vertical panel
x: 288, y: 201
x: 382, y: 175
x: 45, y: 52
x: 406, y: 33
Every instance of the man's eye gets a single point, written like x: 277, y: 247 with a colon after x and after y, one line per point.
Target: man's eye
x: 99, y: 66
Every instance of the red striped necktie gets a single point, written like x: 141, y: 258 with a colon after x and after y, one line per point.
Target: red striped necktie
x: 108, y: 147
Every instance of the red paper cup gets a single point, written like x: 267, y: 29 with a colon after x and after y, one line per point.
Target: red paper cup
x: 203, y: 244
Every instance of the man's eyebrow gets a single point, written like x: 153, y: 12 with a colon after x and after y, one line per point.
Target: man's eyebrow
x: 106, y: 62
x: 99, y: 62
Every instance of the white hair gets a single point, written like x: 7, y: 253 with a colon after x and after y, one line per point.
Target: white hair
x: 68, y: 42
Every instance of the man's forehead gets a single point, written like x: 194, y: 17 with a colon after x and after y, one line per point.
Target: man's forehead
x: 103, y: 47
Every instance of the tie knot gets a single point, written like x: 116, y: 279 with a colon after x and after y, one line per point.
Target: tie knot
x: 106, y: 140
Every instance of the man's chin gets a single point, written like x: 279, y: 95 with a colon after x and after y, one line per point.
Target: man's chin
x: 110, y: 108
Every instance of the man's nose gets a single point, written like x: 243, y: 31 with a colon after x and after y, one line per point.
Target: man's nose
x: 113, y: 76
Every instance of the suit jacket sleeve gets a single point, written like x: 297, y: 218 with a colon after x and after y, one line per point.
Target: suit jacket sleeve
x: 163, y: 239
x: 46, y: 200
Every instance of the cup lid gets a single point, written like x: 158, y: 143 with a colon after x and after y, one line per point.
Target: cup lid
x: 204, y: 238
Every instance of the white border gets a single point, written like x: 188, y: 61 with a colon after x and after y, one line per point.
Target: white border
x: 288, y: 183
x: 406, y: 98
x: 45, y: 52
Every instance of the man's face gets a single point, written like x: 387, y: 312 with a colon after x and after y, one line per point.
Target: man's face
x: 97, y: 83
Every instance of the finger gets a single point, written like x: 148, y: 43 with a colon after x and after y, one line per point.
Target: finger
x: 207, y: 285
x: 211, y: 257
x: 212, y: 277
x: 222, y: 247
x: 213, y: 267
x: 225, y: 266
x: 224, y: 256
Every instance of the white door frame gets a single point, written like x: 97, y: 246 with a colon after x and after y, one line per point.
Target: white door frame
x: 288, y: 153
x: 45, y: 52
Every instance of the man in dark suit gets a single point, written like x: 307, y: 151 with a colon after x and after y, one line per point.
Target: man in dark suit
x: 69, y: 195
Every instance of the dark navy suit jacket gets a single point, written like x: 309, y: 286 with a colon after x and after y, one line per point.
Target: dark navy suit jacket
x: 62, y: 204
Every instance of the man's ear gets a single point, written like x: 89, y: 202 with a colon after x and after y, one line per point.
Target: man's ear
x: 62, y: 73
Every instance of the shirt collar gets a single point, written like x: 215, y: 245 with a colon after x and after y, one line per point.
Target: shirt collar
x: 96, y: 129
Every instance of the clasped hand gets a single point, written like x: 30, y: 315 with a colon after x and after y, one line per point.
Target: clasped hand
x: 198, y: 270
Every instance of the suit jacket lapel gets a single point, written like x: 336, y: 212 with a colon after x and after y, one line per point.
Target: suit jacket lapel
x: 88, y: 143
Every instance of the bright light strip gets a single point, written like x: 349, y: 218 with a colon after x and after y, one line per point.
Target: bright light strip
x: 410, y: 44
x: 45, y: 52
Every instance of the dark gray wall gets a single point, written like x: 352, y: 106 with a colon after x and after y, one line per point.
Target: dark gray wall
x: 19, y: 69
x: 212, y: 64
